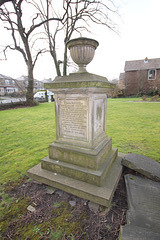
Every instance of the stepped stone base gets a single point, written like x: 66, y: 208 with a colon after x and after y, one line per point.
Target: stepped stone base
x: 101, y: 195
x: 82, y: 156
x: 95, y: 177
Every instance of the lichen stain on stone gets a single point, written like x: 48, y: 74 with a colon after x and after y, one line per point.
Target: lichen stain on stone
x: 99, y: 113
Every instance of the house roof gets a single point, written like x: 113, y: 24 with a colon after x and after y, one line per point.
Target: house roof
x: 5, y: 77
x: 144, y: 64
x: 22, y: 78
x: 25, y: 78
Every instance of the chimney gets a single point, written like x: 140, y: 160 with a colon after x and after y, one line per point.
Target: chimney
x: 146, y: 60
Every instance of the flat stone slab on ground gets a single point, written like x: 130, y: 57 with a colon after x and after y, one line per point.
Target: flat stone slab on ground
x: 143, y: 216
x: 94, y: 206
x: 31, y: 209
x: 130, y: 232
x: 50, y: 190
x: 143, y: 165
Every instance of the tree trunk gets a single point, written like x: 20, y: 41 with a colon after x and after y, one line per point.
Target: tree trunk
x: 57, y: 65
x: 65, y: 61
x: 29, y: 94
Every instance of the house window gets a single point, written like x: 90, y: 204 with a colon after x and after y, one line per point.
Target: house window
x: 2, y: 90
x: 152, y: 74
x: 7, y: 82
x: 13, y: 82
x: 9, y: 89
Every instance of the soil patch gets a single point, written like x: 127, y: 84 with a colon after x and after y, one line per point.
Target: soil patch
x: 60, y: 215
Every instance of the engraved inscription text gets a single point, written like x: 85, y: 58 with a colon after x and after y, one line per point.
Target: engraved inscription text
x: 74, y: 118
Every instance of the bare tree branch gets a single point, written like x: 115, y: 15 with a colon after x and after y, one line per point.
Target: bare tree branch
x: 4, y: 1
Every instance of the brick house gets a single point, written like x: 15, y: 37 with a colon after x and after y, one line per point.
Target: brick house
x: 142, y: 76
x: 121, y: 83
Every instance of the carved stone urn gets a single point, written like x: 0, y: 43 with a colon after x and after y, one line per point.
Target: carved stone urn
x: 82, y: 51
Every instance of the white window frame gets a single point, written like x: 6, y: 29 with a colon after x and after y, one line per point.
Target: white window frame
x: 9, y: 90
x: 152, y: 76
x: 1, y: 89
x: 7, y: 82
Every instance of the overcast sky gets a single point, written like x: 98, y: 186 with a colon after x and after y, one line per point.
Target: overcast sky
x: 139, y: 37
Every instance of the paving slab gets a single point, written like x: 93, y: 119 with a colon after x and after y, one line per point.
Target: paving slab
x: 144, y: 165
x: 143, y: 216
x: 130, y: 232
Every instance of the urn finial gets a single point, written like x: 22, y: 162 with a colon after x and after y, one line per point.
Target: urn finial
x: 82, y: 51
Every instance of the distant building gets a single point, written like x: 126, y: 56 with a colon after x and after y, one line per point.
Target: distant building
x: 121, y: 83
x: 142, y: 76
x: 49, y: 80
x: 8, y: 85
x: 23, y: 81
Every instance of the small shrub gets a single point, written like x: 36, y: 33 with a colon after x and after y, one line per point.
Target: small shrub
x: 153, y: 92
x: 36, y: 103
x: 155, y: 98
x: 144, y: 97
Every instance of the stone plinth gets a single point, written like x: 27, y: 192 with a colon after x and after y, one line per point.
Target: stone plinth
x: 81, y: 160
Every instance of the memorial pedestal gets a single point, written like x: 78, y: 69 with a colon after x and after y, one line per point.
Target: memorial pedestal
x: 81, y: 160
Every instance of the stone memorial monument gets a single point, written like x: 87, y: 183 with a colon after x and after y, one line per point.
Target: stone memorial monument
x: 81, y: 160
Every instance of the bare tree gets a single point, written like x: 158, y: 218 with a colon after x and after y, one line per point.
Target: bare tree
x: 77, y: 17
x: 23, y: 37
x: 4, y: 1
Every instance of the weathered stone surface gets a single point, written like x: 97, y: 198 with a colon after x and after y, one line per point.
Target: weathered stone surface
x: 143, y: 165
x: 72, y: 203
x: 84, y: 157
x: 50, y: 190
x: 143, y: 216
x: 88, y: 175
x: 80, y: 80
x: 80, y: 118
x: 93, y: 206
x: 131, y: 232
x: 59, y: 192
x: 101, y: 195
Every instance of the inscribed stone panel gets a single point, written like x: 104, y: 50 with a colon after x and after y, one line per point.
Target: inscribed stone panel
x: 74, y: 118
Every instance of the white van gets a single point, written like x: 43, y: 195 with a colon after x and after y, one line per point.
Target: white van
x: 41, y: 95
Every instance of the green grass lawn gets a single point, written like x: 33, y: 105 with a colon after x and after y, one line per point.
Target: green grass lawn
x: 26, y: 133
x: 134, y: 126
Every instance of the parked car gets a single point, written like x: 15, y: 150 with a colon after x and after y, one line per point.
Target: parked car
x: 44, y: 96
